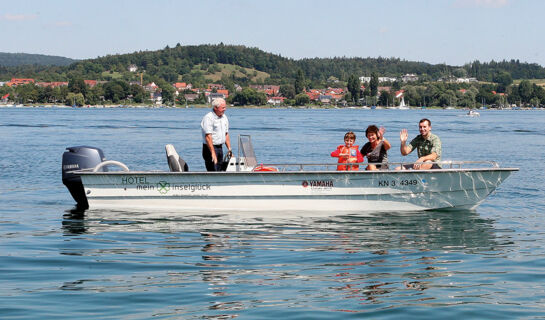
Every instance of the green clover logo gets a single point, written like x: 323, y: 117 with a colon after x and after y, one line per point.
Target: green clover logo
x: 163, y: 187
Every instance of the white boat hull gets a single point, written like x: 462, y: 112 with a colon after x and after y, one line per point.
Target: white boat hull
x: 333, y: 191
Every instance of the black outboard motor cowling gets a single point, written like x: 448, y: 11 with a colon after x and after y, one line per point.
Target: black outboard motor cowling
x: 79, y: 158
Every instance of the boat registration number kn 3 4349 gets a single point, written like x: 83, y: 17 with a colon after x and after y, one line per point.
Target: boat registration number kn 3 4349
x: 394, y: 183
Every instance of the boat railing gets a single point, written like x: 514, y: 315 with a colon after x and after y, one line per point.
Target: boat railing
x: 102, y: 167
x: 391, y: 166
x: 246, y: 150
x: 247, y: 161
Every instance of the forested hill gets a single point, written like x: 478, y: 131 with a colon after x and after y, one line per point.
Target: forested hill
x: 18, y: 59
x: 244, y: 65
x: 168, y: 63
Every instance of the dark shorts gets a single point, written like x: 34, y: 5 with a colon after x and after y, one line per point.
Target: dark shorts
x: 207, y: 156
x: 410, y: 166
x: 381, y: 166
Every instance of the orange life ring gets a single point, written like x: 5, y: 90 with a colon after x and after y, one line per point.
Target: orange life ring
x: 261, y: 167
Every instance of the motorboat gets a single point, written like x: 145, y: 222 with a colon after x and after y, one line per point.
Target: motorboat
x: 473, y: 113
x: 246, y: 185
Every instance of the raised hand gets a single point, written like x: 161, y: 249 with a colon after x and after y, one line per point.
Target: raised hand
x: 381, y: 132
x: 403, y: 136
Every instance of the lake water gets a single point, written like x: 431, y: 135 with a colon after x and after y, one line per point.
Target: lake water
x: 486, y: 263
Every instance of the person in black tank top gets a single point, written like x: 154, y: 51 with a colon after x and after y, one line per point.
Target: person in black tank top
x: 376, y: 150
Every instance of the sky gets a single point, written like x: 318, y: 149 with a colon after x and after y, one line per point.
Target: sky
x: 454, y: 32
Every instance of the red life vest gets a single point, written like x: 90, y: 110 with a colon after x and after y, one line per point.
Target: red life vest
x: 352, y: 157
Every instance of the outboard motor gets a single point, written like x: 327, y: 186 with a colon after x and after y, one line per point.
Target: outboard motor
x: 175, y: 162
x: 79, y: 158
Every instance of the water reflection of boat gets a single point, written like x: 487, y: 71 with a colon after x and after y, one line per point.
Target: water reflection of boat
x: 431, y: 230
x: 357, y: 258
x: 304, y: 187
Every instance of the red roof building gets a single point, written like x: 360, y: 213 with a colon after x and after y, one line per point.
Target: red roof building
x: 313, y: 94
x: 19, y: 81
x: 225, y: 92
x: 90, y: 83
x: 182, y: 86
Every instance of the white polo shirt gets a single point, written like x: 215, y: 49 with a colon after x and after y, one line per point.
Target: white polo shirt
x: 216, y: 126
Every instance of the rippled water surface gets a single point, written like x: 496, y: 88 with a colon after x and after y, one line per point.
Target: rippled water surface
x: 486, y: 263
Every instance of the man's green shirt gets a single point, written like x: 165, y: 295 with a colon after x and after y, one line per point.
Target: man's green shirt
x: 427, y: 146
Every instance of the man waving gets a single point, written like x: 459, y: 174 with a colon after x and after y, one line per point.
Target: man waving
x: 427, y: 145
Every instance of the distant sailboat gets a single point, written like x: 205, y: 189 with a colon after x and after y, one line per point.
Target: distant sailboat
x: 400, y: 95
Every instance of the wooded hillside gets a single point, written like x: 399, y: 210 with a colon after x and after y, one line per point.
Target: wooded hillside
x: 18, y: 59
x: 195, y: 63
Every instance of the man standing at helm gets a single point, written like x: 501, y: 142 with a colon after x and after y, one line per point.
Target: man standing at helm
x: 215, y: 132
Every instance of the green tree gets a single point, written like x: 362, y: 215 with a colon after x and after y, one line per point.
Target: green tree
x: 333, y: 80
x: 227, y: 83
x: 77, y: 85
x: 299, y: 84
x: 167, y: 91
x: 116, y: 90
x: 214, y: 68
x: 366, y: 92
x: 180, y: 99
x: 373, y: 84
x: 459, y: 73
x: 302, y: 99
x: 75, y: 99
x: 525, y: 91
x: 95, y: 95
x: 447, y: 99
x: 348, y: 96
x: 396, y: 85
x: 287, y: 91
x: 539, y: 92
x: 503, y: 78
x: 249, y: 96
x: 138, y: 93
x: 485, y: 95
x: 354, y: 87
x: 413, y: 96
x: 27, y: 93
x: 466, y: 99
x: 385, y: 98
x: 45, y: 95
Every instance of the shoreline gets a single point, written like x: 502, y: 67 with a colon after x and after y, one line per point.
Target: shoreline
x: 203, y: 106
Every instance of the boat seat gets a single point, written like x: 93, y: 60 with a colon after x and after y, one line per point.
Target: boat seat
x: 175, y: 162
